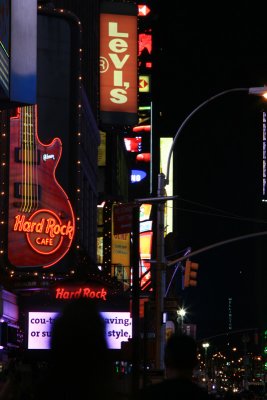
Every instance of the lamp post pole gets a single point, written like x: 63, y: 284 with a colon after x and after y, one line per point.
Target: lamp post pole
x: 160, y: 256
x: 206, y: 345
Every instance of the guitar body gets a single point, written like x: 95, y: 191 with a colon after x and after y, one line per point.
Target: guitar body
x: 41, y: 220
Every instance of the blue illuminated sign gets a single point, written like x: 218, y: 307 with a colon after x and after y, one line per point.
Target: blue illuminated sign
x: 137, y: 175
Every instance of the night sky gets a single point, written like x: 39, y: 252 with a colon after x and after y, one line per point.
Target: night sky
x: 201, y: 51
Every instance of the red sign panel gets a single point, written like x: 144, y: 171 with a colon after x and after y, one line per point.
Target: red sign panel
x: 118, y: 64
x: 122, y: 218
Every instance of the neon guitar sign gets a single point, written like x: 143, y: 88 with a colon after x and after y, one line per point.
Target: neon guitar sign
x: 41, y: 223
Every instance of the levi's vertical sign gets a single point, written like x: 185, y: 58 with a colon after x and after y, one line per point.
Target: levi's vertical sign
x: 118, y: 64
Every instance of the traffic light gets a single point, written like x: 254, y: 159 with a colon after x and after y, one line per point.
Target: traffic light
x: 190, y: 274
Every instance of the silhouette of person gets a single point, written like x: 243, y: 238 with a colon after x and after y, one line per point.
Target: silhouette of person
x: 80, y: 366
x: 180, y: 360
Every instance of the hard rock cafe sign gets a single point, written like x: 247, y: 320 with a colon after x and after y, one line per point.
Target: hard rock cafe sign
x: 87, y: 291
x: 44, y: 230
x: 41, y: 222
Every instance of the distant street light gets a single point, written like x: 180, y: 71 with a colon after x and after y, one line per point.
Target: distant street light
x: 205, y: 345
x: 160, y: 256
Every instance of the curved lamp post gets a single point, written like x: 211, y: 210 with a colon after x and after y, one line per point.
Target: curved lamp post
x: 160, y: 264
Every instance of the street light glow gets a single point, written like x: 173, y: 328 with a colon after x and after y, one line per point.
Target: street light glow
x: 181, y: 312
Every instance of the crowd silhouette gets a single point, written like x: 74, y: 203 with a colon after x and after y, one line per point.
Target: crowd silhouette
x: 80, y: 366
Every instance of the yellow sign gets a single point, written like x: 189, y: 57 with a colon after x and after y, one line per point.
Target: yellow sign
x: 120, y: 249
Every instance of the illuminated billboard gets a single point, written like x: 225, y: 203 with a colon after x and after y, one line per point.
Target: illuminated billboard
x: 146, y: 245
x: 118, y: 63
x: 118, y: 328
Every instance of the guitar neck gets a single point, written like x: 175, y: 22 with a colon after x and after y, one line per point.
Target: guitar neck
x: 29, y: 157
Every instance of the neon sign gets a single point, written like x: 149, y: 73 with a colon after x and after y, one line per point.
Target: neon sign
x: 87, y: 292
x: 41, y: 222
x: 44, y: 230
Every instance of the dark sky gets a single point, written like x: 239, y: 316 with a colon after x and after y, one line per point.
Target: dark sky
x: 201, y: 51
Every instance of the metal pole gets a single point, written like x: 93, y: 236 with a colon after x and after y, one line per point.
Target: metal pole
x: 160, y: 278
x: 135, y: 302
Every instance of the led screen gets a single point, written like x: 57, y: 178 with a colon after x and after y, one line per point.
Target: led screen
x: 118, y: 328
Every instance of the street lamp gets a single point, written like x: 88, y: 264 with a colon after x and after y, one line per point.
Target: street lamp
x: 160, y: 256
x: 181, y: 312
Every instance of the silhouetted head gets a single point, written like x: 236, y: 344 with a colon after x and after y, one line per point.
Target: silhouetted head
x: 79, y: 354
x: 79, y: 332
x: 180, y: 352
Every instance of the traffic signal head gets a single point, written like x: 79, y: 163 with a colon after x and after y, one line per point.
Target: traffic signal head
x: 190, y: 274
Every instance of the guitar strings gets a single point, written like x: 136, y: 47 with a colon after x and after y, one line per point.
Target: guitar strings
x: 29, y: 159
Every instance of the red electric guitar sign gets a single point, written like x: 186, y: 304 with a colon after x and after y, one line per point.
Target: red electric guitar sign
x: 41, y: 222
